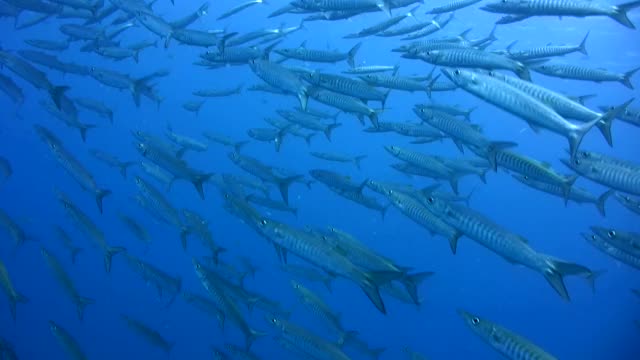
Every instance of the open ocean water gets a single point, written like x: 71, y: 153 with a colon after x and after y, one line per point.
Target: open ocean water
x: 600, y: 324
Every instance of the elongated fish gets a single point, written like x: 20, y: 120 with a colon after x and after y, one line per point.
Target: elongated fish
x: 12, y: 295
x: 504, y: 341
x: 150, y: 335
x: 73, y: 167
x: 68, y: 342
x: 63, y: 278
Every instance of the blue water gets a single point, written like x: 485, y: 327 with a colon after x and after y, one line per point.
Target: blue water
x: 592, y: 326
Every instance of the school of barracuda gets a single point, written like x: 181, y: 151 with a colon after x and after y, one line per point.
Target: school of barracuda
x: 327, y: 87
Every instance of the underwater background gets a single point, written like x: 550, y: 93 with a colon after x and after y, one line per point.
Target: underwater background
x: 593, y: 325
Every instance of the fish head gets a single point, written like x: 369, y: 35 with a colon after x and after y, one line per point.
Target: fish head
x: 605, y: 233
x: 481, y: 327
x: 393, y: 150
x: 458, y: 76
x: 54, y: 327
x: 296, y: 285
x: 502, y: 6
x: 274, y: 321
x: 369, y: 78
x: 142, y: 148
x: 423, y: 112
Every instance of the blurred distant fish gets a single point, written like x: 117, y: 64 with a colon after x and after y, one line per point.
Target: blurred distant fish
x: 12, y: 295
x: 211, y: 282
x: 164, y: 283
x: 150, y: 335
x: 265, y: 173
x: 322, y: 56
x: 90, y: 229
x: 63, y: 278
x: 72, y: 165
x: 65, y: 239
x: 96, y: 106
x: 112, y: 161
x: 32, y: 75
x: 346, y: 103
x: 576, y: 194
x: 135, y: 228
x: 11, y: 89
x: 224, y: 140
x: 5, y: 169
x: 308, y: 274
x: 532, y: 8
x: 68, y: 342
x: 199, y: 226
x: 413, y: 355
x: 504, y: 341
x: 270, y: 135
x: 239, y: 8
x: 52, y: 45
x: 308, y: 121
x: 205, y: 305
x: 193, y: 106
x: 319, y: 308
x: 339, y: 157
x: 166, y: 159
x: 271, y: 204
x: 14, y: 230
x: 219, y: 93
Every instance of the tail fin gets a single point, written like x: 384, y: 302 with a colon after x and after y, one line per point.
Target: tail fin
x: 81, y: 304
x: 123, y: 168
x: 357, y: 160
x: 14, y: 300
x: 576, y: 135
x: 252, y: 336
x: 604, y: 123
x: 371, y: 282
x: 556, y: 270
x: 411, y: 283
x: 582, y: 48
x: 110, y: 253
x: 83, y: 131
x: 523, y: 72
x: 303, y: 97
x: 100, y: 194
x: 352, y: 53
x: 626, y: 79
x: 199, y: 180
x: 74, y: 254
x: 567, y: 183
x: 239, y: 145
x: 283, y: 186
x: 602, y: 199
x: 329, y: 129
x: 620, y: 13
x: 308, y: 137
x: 56, y: 93
x: 184, y: 232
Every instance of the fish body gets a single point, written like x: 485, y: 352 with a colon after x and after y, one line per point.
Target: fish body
x: 503, y: 340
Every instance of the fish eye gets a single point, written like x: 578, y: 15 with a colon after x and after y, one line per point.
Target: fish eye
x: 273, y: 320
x: 263, y: 222
x: 577, y: 162
x: 612, y: 234
x: 457, y: 72
x: 526, y: 177
x: 475, y: 320
x: 430, y: 200
x: 593, y: 237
